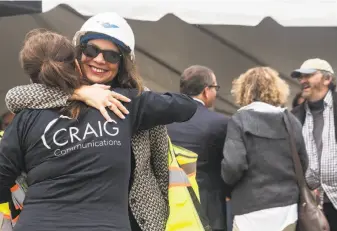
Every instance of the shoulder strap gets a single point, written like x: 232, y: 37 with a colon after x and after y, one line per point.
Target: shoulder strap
x: 202, y: 216
x: 294, y: 153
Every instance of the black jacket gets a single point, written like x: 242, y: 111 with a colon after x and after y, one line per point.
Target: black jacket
x: 205, y: 134
x: 78, y: 170
x: 258, y: 161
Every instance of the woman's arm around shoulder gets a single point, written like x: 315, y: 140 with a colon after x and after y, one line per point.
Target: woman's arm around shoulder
x: 39, y: 96
x: 35, y: 96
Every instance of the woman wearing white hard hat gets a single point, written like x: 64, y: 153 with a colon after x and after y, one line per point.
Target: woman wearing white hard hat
x: 106, y: 44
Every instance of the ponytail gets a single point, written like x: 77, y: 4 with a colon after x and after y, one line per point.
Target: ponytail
x: 49, y: 58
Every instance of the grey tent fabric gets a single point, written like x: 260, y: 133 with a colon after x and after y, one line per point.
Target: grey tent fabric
x: 225, y: 12
x: 166, y: 47
x: 12, y: 8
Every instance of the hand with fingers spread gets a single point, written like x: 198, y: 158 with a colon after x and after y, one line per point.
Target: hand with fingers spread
x: 100, y: 96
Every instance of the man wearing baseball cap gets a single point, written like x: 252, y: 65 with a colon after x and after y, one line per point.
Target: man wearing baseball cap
x: 319, y: 119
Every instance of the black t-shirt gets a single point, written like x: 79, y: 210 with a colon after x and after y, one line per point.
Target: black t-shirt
x: 79, y: 169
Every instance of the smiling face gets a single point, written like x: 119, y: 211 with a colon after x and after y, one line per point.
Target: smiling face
x: 314, y: 86
x: 97, y: 69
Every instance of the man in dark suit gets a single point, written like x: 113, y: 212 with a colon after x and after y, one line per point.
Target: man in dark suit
x: 204, y: 134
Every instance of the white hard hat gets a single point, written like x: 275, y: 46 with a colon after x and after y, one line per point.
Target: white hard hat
x: 109, y: 25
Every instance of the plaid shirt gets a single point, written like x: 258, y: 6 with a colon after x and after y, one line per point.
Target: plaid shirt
x: 322, y: 175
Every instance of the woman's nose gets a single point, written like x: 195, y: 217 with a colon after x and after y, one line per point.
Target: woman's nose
x: 99, y: 58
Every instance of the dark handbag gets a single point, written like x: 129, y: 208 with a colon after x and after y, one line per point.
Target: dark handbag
x: 310, y: 216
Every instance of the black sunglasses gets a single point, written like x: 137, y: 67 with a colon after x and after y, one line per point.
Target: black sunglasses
x: 217, y: 87
x: 93, y: 51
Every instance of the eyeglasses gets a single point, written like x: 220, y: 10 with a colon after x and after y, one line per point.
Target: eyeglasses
x: 93, y: 51
x: 305, y: 76
x: 217, y: 87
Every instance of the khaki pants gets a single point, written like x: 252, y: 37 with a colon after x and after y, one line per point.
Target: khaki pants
x: 291, y: 227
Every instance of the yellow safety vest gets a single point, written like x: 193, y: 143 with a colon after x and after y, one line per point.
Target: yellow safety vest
x: 187, y: 160
x: 185, y: 211
x: 5, y: 218
x: 7, y: 221
x: 5, y: 213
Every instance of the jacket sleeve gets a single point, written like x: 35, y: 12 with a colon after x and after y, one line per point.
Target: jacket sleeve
x: 35, y: 96
x: 219, y: 142
x: 11, y: 159
x: 302, y: 152
x: 151, y: 109
x: 159, y: 149
x: 300, y: 144
x: 4, y: 196
x: 234, y: 162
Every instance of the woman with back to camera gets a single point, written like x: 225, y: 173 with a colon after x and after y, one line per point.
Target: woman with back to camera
x: 150, y: 178
x: 257, y: 156
x: 78, y: 164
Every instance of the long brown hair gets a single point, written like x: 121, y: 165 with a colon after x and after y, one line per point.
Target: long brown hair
x: 128, y: 75
x: 49, y: 58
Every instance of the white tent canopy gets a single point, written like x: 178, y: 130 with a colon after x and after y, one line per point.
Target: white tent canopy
x: 215, y: 12
x: 164, y: 48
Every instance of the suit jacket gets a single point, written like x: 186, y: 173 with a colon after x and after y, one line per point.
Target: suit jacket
x: 205, y: 135
x: 148, y: 196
